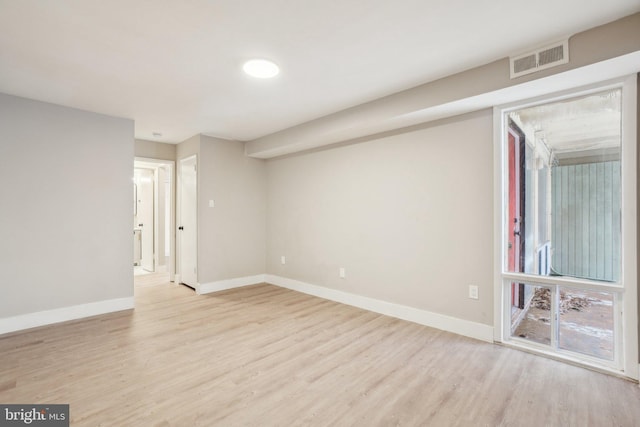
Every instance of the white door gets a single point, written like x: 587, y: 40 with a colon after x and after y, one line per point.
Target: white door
x: 146, y: 218
x: 188, y: 222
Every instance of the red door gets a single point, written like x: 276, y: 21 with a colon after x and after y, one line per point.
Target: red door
x: 513, y: 229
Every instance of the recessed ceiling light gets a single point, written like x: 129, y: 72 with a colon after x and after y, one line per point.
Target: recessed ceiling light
x: 261, y: 68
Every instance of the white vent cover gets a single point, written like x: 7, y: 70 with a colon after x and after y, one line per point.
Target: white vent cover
x: 540, y: 59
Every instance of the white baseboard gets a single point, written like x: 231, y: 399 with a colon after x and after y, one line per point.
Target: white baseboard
x: 467, y: 328
x: 439, y: 321
x: 48, y: 317
x: 222, y: 285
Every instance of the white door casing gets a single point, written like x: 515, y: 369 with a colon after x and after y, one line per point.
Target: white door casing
x: 145, y: 217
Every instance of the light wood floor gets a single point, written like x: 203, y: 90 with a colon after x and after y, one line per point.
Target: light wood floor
x: 267, y: 356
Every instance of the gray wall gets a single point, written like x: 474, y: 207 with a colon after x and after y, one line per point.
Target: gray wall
x: 155, y: 150
x: 231, y: 235
x: 409, y: 216
x: 188, y: 148
x: 66, y: 216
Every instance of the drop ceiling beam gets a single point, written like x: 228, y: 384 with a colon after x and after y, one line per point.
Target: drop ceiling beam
x: 598, y: 54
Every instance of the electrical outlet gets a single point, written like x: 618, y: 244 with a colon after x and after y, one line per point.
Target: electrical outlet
x: 283, y: 260
x: 473, y: 292
x: 212, y: 204
x: 343, y: 273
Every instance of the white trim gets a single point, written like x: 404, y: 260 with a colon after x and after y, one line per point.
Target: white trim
x: 629, y: 225
x: 158, y: 162
x: 222, y: 285
x: 439, y: 321
x: 498, y: 221
x: 48, y: 317
x: 467, y: 328
x: 562, y: 280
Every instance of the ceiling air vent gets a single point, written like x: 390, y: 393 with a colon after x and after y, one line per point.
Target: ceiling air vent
x: 540, y: 59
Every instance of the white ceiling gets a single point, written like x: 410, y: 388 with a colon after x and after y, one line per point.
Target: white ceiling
x: 175, y: 67
x: 590, y: 122
x: 576, y: 129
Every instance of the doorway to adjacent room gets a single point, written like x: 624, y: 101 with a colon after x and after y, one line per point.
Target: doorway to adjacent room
x: 153, y: 216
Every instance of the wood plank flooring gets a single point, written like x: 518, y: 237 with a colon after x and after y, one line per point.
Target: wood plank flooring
x: 266, y: 356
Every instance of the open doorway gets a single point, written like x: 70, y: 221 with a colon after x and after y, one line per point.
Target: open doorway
x: 153, y: 215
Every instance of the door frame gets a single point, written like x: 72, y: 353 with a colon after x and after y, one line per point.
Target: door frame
x: 628, y: 315
x: 516, y: 219
x: 171, y: 165
x: 146, y: 214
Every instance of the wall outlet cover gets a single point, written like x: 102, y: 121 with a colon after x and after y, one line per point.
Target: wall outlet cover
x: 473, y: 292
